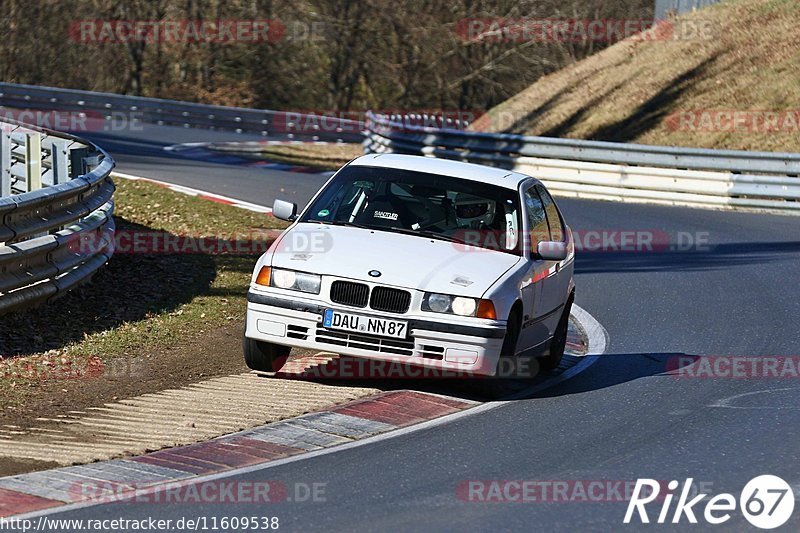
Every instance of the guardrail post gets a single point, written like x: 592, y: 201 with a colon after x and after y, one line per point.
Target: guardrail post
x: 5, y: 163
x: 33, y: 161
x: 77, y: 162
x: 91, y: 161
x: 60, y: 162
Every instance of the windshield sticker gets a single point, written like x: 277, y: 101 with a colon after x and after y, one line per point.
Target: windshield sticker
x: 385, y: 215
x: 323, y: 213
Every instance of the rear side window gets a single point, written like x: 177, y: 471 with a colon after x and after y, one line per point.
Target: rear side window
x: 554, y: 222
x: 537, y: 218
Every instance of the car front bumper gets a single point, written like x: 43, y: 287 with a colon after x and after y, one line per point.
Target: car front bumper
x: 455, y: 349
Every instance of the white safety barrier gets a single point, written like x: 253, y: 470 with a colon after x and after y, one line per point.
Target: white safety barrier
x: 606, y: 170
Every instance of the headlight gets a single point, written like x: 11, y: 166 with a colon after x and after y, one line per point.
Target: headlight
x: 438, y: 303
x: 464, y: 306
x: 283, y: 279
x: 458, y: 305
x: 295, y: 281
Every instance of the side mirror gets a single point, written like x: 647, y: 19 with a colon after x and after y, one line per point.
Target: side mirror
x: 284, y: 210
x: 552, y: 250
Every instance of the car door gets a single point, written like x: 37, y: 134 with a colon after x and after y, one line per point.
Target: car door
x: 534, y: 331
x: 555, y: 285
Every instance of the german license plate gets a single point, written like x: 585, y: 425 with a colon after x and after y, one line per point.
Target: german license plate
x: 383, y: 327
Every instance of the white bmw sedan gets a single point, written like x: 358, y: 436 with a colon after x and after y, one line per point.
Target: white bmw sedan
x: 416, y: 260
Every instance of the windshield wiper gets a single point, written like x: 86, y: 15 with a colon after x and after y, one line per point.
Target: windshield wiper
x: 426, y: 233
x: 395, y: 229
x: 339, y: 223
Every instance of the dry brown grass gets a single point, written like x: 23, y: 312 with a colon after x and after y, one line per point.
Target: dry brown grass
x: 629, y: 91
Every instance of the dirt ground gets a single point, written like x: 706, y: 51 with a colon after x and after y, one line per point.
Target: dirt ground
x: 213, y: 353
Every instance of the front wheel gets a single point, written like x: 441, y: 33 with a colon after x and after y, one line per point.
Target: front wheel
x: 511, y: 364
x: 509, y: 348
x: 264, y: 356
x: 558, y: 344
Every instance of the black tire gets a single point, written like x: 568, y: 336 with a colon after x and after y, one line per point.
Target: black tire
x: 558, y: 344
x: 264, y: 356
x: 511, y: 364
x: 512, y: 335
x: 493, y: 388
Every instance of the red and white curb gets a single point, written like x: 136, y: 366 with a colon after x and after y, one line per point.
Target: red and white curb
x: 357, y: 423
x: 122, y: 479
x: 218, y: 198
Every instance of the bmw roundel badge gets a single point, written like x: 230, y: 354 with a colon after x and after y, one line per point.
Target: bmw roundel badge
x: 375, y: 273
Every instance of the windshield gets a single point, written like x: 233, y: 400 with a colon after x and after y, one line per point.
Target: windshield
x: 418, y: 203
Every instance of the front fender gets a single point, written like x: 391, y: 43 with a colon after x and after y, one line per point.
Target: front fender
x: 507, y: 290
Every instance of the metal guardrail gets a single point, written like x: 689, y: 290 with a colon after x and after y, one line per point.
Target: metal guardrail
x: 104, y: 106
x: 607, y: 170
x: 56, y: 225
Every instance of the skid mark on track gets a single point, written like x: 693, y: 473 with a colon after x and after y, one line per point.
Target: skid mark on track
x: 729, y: 403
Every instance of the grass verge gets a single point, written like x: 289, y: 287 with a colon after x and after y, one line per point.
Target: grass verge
x: 150, y: 319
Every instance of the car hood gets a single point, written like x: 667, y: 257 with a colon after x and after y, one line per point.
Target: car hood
x: 402, y: 260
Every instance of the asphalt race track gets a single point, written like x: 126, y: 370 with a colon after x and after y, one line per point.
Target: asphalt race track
x: 141, y: 152
x: 624, y: 418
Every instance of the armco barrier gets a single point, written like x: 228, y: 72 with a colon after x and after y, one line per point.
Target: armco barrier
x: 56, y: 225
x: 109, y: 107
x: 606, y: 170
x: 587, y: 169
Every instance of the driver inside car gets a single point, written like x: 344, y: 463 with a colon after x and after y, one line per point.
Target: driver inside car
x: 480, y: 222
x: 473, y: 212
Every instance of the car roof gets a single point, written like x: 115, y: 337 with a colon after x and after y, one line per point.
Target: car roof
x: 444, y: 167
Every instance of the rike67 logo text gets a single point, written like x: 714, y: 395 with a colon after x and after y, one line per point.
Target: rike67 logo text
x: 767, y: 502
